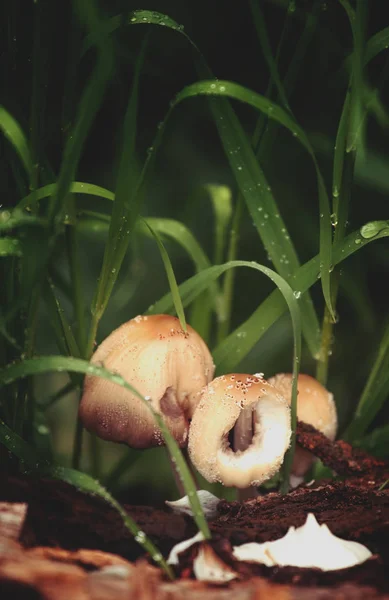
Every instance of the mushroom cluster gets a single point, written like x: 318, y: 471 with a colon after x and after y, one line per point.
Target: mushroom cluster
x: 173, y: 368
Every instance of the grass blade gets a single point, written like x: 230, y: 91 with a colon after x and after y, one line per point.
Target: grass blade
x: 221, y: 199
x: 375, y: 393
x: 252, y: 181
x: 44, y: 364
x: 238, y: 344
x: 259, y: 23
x: 33, y: 461
x: 235, y: 131
x: 14, y: 134
x: 63, y: 332
x: 89, y: 104
x: 171, y: 278
x: 125, y: 208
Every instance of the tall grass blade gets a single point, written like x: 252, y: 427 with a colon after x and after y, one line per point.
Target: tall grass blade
x: 253, y: 184
x: 34, y: 463
x: 44, y: 364
x: 233, y: 137
x: 221, y: 199
x: 127, y: 201
x: 14, y: 134
x: 238, y: 344
x: 375, y: 393
x: 171, y: 278
x: 89, y: 104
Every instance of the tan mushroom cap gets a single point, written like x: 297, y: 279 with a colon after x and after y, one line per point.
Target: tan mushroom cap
x: 315, y: 406
x: 222, y: 401
x: 165, y: 364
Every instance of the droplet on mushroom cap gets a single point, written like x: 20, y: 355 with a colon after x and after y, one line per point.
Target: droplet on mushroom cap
x: 162, y: 362
x: 222, y: 401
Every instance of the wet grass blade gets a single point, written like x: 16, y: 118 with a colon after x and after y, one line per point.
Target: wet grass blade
x: 256, y: 191
x: 34, y: 463
x: 76, y: 187
x: 233, y: 137
x: 239, y: 343
x: 375, y: 393
x: 171, y: 277
x: 15, y: 135
x: 44, y: 364
x: 89, y: 104
x: 126, y: 204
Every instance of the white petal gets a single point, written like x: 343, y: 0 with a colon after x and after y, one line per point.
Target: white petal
x: 311, y: 545
x: 207, y: 500
x: 207, y: 566
x: 178, y: 548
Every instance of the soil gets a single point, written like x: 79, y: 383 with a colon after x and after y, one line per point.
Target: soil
x: 58, y: 543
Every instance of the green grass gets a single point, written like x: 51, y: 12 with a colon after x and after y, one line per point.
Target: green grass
x: 82, y: 246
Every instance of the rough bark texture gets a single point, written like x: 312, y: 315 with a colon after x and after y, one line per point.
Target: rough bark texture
x: 58, y: 543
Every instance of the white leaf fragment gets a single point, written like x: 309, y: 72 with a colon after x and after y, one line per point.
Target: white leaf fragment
x: 310, y: 546
x: 207, y: 500
x: 207, y: 566
x: 178, y: 548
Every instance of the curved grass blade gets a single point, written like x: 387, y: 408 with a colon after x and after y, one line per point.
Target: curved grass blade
x: 44, y: 364
x: 171, y: 278
x: 239, y: 343
x: 281, y: 246
x: 375, y: 393
x: 14, y: 134
x: 376, y: 44
x: 34, y: 462
x: 76, y: 187
x: 178, y: 232
x: 10, y: 247
x: 233, y: 138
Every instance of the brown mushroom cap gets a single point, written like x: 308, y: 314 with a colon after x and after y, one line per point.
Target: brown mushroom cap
x: 164, y: 363
x: 222, y: 401
x: 315, y: 406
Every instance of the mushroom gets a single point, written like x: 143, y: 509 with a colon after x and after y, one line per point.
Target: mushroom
x: 221, y: 403
x: 164, y: 363
x: 315, y: 406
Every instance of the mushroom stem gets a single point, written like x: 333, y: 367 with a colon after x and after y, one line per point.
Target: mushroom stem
x: 242, y: 438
